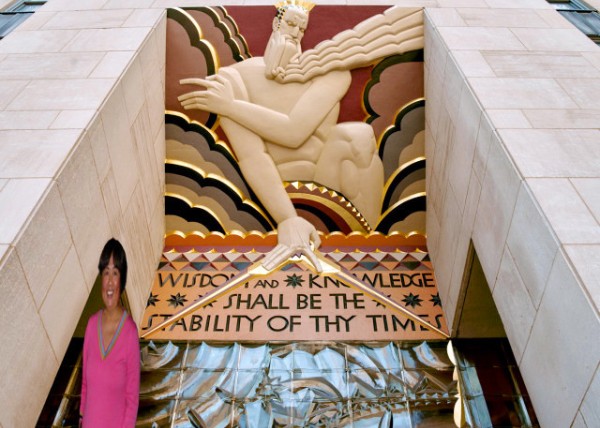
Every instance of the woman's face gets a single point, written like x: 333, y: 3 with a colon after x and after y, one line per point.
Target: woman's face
x: 111, y: 285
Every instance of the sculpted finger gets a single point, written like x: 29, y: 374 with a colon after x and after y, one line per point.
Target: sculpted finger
x: 193, y: 81
x: 194, y: 107
x: 275, y: 257
x: 313, y: 259
x: 185, y: 96
x: 190, y: 95
x: 188, y: 101
x: 274, y: 262
x: 219, y: 78
x: 316, y: 239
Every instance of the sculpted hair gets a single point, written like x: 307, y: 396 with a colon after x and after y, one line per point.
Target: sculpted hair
x: 115, y: 249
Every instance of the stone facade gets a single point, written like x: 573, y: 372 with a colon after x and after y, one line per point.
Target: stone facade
x: 512, y: 95
x: 513, y: 167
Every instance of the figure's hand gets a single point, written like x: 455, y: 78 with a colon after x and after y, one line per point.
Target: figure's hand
x: 278, y: 74
x: 217, y: 98
x: 294, y: 235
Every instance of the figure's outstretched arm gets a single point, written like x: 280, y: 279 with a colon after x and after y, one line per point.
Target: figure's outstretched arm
x: 285, y: 129
x: 295, y: 235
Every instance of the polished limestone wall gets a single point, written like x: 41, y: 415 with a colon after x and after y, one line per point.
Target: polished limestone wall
x: 81, y: 160
x: 514, y: 167
x: 512, y: 117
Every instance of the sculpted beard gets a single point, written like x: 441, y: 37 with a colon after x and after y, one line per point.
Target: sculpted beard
x: 280, y: 50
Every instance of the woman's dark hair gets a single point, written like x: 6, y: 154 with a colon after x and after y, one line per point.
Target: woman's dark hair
x: 115, y: 249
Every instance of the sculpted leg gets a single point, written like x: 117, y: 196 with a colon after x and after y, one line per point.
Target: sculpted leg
x: 350, y: 164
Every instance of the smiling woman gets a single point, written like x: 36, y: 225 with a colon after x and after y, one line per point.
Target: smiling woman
x: 111, y: 355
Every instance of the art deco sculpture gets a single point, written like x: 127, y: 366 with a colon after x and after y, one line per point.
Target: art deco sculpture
x: 280, y: 115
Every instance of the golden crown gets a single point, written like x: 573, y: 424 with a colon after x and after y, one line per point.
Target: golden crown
x: 300, y: 4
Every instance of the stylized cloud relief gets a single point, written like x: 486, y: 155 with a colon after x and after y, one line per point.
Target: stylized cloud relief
x: 395, y: 82
x: 404, y: 182
x: 394, y: 101
x: 214, y: 201
x: 204, y: 186
x: 403, y: 142
x: 221, y: 28
x: 402, y: 151
x: 200, y: 41
x: 195, y: 144
x: 188, y: 54
x: 400, y: 211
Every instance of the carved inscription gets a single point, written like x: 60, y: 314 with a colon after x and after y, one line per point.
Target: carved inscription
x: 295, y: 304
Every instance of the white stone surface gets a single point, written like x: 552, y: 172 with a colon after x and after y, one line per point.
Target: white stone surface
x: 445, y: 17
x: 69, y: 282
x: 69, y: 184
x: 73, y: 94
x: 554, y: 153
x: 129, y: 4
x: 532, y: 246
x: 554, y: 20
x: 521, y: 93
x: 586, y: 260
x: 563, y: 349
x: 540, y: 64
x: 513, y: 119
x: 485, y: 138
x: 10, y: 89
x: 80, y: 191
x: 69, y: 5
x: 87, y: 19
x: 35, y: 21
x: 120, y: 145
x: 68, y: 119
x: 107, y: 39
x: 141, y: 17
x: 41, y: 41
x: 516, y: 309
x: 451, y: 214
x: 48, y: 229
x: 590, y: 408
x: 584, y: 92
x: 462, y: 245
x: 113, y: 64
x: 476, y: 38
x: 34, y: 153
x: 553, y: 39
x: 499, y: 191
x: 27, y: 361
x: 579, y: 422
x: 18, y: 198
x: 589, y: 190
x: 460, y: 157
x: 518, y: 4
x: 570, y: 218
x: 536, y: 80
x: 484, y: 17
x: 473, y: 64
x: 573, y: 119
x: 10, y: 120
x: 59, y: 65
x: 133, y: 90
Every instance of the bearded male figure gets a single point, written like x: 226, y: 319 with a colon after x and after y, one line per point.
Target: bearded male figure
x: 289, y: 131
